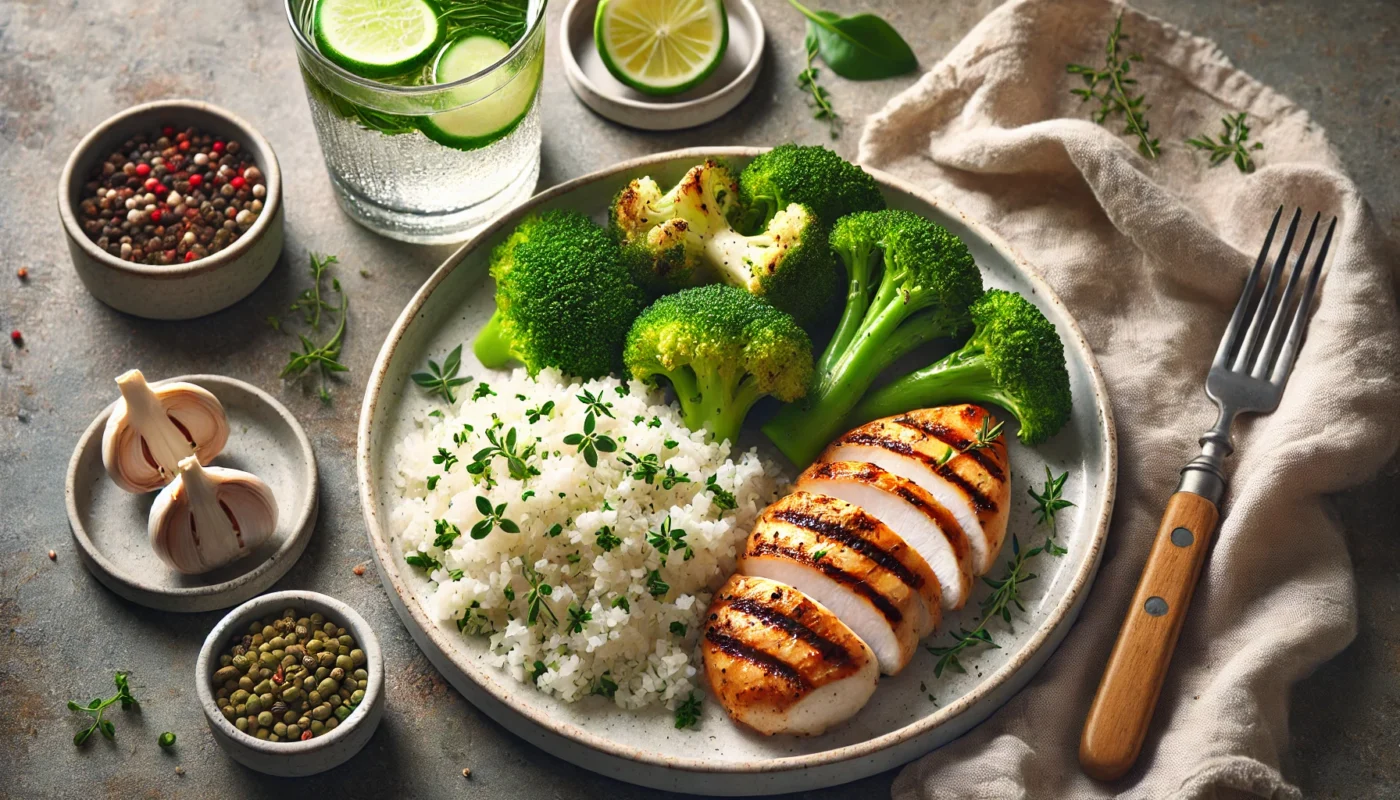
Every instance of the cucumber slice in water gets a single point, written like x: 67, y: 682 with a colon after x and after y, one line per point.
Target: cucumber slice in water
x: 661, y: 47
x: 377, y: 38
x: 489, y: 110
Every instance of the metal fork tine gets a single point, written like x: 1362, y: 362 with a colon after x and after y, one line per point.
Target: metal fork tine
x: 1300, y: 318
x: 1261, y: 311
x: 1264, y: 362
x: 1227, y: 341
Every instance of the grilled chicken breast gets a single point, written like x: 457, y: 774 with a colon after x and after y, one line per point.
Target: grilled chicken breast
x: 847, y: 560
x: 975, y: 485
x: 909, y: 511
x: 781, y: 663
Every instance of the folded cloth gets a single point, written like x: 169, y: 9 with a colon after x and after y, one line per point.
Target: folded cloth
x: 1149, y: 256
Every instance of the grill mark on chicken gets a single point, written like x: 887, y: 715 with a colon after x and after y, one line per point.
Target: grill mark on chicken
x: 954, y: 440
x: 744, y: 652
x: 866, y: 473
x: 831, y: 652
x: 857, y: 585
x: 837, y: 531
x: 980, y: 501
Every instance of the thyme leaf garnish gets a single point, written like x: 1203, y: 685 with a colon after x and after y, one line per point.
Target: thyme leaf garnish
x: 441, y: 380
x: 1231, y: 144
x: 1115, y: 98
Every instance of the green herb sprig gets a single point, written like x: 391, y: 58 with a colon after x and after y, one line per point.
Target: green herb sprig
x: 1006, y: 592
x: 670, y: 540
x: 590, y: 443
x: 1231, y: 144
x: 517, y: 459
x: 688, y: 712
x: 441, y: 380
x: 492, y: 518
x: 535, y: 598
x: 809, y: 80
x: 1049, y: 501
x: 986, y: 437
x: 644, y: 468
x: 724, y: 499
x: 310, y: 304
x: 1116, y: 97
x: 99, y: 706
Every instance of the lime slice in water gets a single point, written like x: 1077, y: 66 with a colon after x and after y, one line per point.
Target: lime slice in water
x: 491, y: 106
x: 375, y: 38
x: 661, y: 47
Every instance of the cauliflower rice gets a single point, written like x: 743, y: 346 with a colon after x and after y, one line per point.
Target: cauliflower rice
x: 615, y: 621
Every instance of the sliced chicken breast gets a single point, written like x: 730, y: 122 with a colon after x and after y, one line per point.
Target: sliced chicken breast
x: 905, y: 508
x: 975, y: 485
x: 845, y: 559
x: 779, y: 662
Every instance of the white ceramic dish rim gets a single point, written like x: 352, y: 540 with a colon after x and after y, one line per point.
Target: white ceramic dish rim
x: 1063, y: 612
x: 271, y: 170
x: 257, y: 607
x: 304, y: 513
x: 576, y: 72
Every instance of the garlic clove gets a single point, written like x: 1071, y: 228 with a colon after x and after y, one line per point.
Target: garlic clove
x: 153, y: 428
x: 210, y: 516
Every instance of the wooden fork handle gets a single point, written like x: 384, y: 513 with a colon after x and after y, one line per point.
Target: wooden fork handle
x: 1117, y: 723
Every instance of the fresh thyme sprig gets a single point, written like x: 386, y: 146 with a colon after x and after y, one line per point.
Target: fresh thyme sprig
x: 644, y: 468
x: 688, y: 712
x: 99, y: 706
x: 492, y: 519
x: 808, y: 80
x: 311, y: 304
x: 1006, y: 592
x: 517, y: 461
x: 670, y: 540
x: 595, y: 405
x: 1048, y: 502
x: 577, y: 618
x: 540, y: 412
x: 535, y: 598
x: 1231, y: 144
x: 442, y: 380
x: 1115, y: 98
x: 672, y: 478
x: 986, y: 437
x: 724, y: 499
x: 589, y: 442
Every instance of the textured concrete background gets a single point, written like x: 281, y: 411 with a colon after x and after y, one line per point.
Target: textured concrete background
x: 65, y: 66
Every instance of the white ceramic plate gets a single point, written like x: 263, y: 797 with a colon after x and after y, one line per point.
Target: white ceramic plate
x: 900, y: 723
x: 109, y: 524
x: 718, y: 95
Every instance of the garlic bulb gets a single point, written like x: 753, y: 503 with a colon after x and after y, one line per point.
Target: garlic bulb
x: 152, y: 429
x: 210, y: 516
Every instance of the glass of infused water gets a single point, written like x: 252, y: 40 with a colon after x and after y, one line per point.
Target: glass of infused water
x: 427, y: 110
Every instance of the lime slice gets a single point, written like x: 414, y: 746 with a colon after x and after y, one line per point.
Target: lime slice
x: 661, y: 47
x: 491, y: 106
x: 375, y: 38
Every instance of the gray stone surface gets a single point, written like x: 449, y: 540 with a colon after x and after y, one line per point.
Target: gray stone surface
x: 64, y: 66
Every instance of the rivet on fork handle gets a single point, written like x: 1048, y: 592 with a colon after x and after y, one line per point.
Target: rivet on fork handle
x: 1122, y: 709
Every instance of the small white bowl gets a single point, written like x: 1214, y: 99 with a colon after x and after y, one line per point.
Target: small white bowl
x: 293, y: 759
x: 717, y: 96
x: 177, y: 291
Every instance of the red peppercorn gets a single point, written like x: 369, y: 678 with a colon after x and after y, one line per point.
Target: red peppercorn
x: 182, y: 137
x: 237, y: 182
x: 23, y: 273
x: 169, y: 255
x: 218, y: 147
x: 185, y: 145
x: 155, y: 216
x: 167, y: 131
x: 152, y: 184
x: 16, y: 337
x: 143, y: 170
x: 196, y: 180
x: 190, y: 256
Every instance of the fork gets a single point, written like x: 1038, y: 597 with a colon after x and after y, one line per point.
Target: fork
x: 1251, y: 367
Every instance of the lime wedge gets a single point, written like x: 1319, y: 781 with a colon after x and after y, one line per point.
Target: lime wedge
x: 376, y: 38
x: 661, y: 47
x: 492, y: 105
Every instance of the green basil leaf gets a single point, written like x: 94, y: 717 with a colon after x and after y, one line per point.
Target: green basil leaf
x: 862, y: 47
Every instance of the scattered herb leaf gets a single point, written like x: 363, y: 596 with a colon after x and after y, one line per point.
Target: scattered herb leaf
x: 1115, y: 98
x: 1231, y: 144
x: 442, y: 380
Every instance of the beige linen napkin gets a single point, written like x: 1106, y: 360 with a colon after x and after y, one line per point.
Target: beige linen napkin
x: 1150, y: 257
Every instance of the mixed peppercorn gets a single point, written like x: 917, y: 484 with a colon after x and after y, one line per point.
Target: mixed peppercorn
x: 291, y: 678
x: 172, y: 197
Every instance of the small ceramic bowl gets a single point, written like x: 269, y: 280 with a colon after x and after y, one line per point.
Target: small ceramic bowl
x: 716, y: 96
x: 178, y: 291
x: 292, y: 759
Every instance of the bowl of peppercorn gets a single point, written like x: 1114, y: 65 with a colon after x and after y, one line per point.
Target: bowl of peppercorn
x: 172, y: 209
x: 291, y: 683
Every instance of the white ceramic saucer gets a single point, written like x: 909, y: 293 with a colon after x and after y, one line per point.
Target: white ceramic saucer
x: 109, y: 524
x: 714, y: 98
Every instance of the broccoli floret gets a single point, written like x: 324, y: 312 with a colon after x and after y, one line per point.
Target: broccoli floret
x: 563, y: 299
x: 812, y: 176
x: 1014, y: 359
x: 910, y: 281
x: 683, y: 238
x: 721, y: 349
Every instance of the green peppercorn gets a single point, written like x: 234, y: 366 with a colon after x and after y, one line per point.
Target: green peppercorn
x: 225, y: 660
x: 360, y: 674
x: 280, y: 728
x: 335, y: 700
x: 321, y: 712
x: 341, y: 712
x: 313, y: 697
x: 254, y: 705
x: 241, y: 662
x: 326, y: 658
x: 291, y: 694
x: 265, y: 719
x: 225, y: 674
x: 293, y: 733
x: 314, y: 646
x: 337, y: 673
x: 229, y: 713
x: 364, y: 684
x: 344, y: 662
x: 329, y: 628
x: 264, y: 734
x: 317, y: 727
x: 357, y: 696
x: 357, y: 657
x: 241, y: 723
x: 331, y: 723
x: 328, y: 686
x: 345, y: 639
x: 290, y: 717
